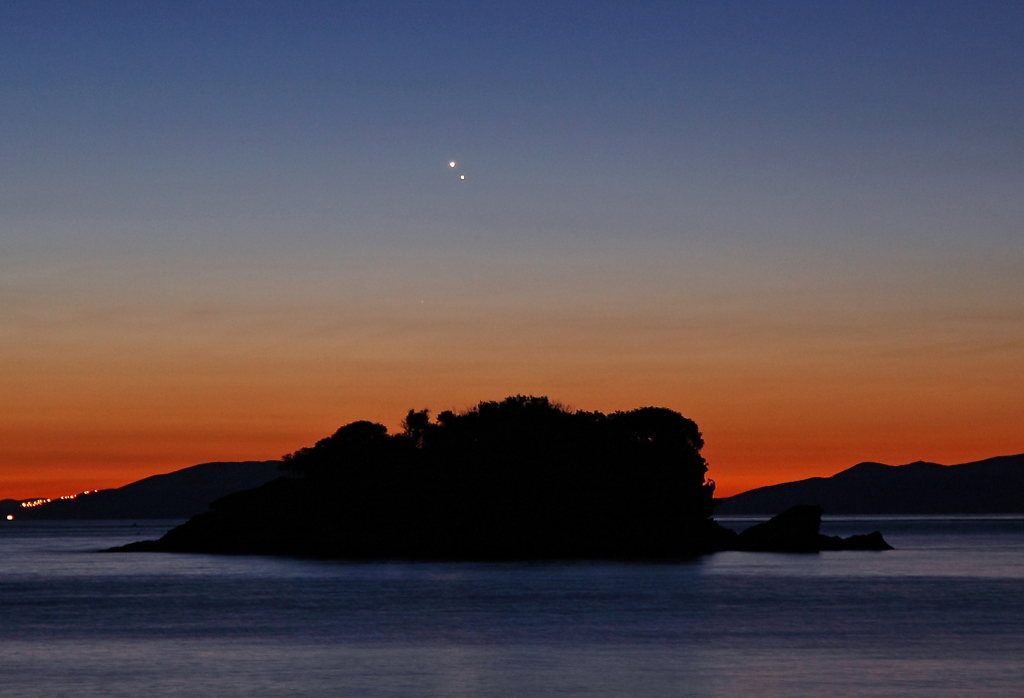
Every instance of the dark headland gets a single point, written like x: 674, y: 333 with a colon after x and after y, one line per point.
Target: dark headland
x: 991, y: 486
x: 521, y: 479
x: 177, y: 495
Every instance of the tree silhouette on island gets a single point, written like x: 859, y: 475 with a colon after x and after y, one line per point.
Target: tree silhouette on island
x: 520, y: 479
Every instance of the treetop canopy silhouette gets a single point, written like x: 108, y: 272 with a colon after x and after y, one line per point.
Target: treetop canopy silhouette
x: 523, y: 432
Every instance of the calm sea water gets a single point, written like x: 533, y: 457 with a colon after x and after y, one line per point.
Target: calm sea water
x: 943, y: 615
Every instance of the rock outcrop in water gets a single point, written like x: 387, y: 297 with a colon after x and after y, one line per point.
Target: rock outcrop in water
x: 523, y: 479
x: 798, y: 530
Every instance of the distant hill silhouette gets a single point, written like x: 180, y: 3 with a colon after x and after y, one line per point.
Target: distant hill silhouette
x: 521, y: 479
x: 10, y: 506
x: 992, y: 486
x: 177, y: 495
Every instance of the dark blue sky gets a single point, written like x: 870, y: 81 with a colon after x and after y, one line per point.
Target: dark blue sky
x: 725, y: 119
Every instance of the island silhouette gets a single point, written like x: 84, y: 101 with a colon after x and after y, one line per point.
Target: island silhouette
x: 519, y: 479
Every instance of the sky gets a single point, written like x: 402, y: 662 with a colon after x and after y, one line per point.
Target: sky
x: 227, y: 229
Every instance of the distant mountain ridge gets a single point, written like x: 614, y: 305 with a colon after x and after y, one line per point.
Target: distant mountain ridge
x: 177, y: 495
x: 990, y: 486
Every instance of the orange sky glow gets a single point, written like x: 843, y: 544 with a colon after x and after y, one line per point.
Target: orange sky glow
x: 108, y: 383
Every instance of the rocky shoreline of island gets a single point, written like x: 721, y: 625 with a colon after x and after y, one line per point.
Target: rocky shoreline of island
x: 796, y: 530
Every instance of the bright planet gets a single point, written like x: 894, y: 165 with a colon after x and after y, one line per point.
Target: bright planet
x: 451, y: 164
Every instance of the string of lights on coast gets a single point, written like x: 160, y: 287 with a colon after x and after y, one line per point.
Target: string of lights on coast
x: 31, y: 503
